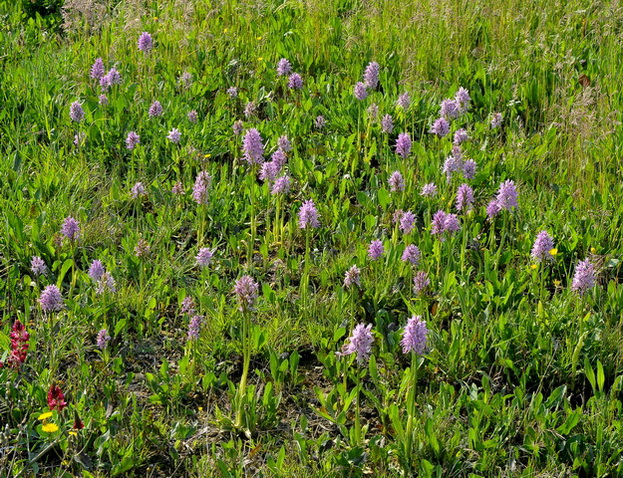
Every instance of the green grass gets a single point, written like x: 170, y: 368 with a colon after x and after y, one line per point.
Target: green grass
x: 523, y: 377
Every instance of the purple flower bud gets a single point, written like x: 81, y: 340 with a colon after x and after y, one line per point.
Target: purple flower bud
x: 105, y: 283
x: 452, y: 223
x: 506, y: 197
x: 411, y: 254
x: 373, y: 111
x: 387, y: 124
x: 204, y: 257
x: 281, y: 186
x: 284, y: 67
x: 371, y: 75
x: 295, y: 81
x: 76, y: 113
x: 464, y: 198
x: 420, y: 282
x: 96, y: 271
x: 284, y: 143
x: 396, y: 182
x: 145, y: 42
x: 279, y: 158
x: 360, y: 91
x: 352, y: 277
x: 102, y: 339
x: 250, y: 109
x: 246, y: 289
x: 463, y: 99
x: 155, y: 109
x: 438, y: 225
x: 194, y: 327
x: 493, y: 209
x: 429, y: 190
x: 407, y: 222
x: 376, y: 250
x: 132, y: 140
x: 70, y: 229
x: 269, y: 171
x: 111, y: 78
x: 103, y: 99
x: 414, y: 336
x: 542, y: 247
x: 320, y: 122
x: 440, y: 127
x: 185, y: 79
x: 192, y: 116
x: 403, y: 145
x: 50, y: 299
x: 460, y: 136
x: 252, y: 147
x: 584, y: 277
x: 496, y: 120
x: 202, y: 184
x: 37, y: 266
x: 469, y: 169
x: 404, y: 101
x: 238, y: 127
x: 178, y: 188
x: 397, y: 216
x: 308, y: 215
x: 142, y: 248
x: 449, y: 109
x: 174, y: 136
x: 232, y: 91
x: 451, y: 165
x: 98, y: 70
x: 138, y: 190
x: 188, y: 305
x: 360, y: 343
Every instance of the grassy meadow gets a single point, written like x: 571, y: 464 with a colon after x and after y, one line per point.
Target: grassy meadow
x: 173, y: 305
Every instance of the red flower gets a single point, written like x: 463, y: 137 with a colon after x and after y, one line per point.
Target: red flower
x: 19, y: 345
x: 78, y: 425
x: 56, y: 399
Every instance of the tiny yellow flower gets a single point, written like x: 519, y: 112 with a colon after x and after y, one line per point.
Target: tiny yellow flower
x: 201, y: 409
x: 261, y: 58
x: 259, y: 38
x: 533, y: 266
x: 553, y: 252
x: 556, y: 283
x: 593, y: 250
x: 73, y: 433
x: 207, y: 155
x: 50, y: 427
x: 45, y: 416
x: 156, y: 19
x: 225, y: 30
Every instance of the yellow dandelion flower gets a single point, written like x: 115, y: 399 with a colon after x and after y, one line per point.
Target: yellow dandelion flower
x: 593, y: 250
x: 50, y: 427
x: 553, y: 252
x: 45, y: 416
x: 533, y: 266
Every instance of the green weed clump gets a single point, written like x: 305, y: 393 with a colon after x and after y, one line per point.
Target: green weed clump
x: 397, y: 253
